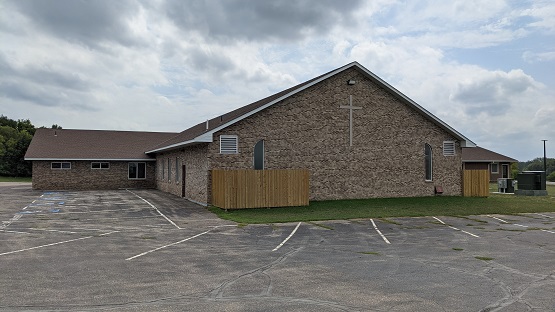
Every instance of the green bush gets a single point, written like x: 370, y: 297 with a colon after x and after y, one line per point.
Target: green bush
x: 551, y: 177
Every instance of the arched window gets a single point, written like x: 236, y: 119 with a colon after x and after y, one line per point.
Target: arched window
x: 428, y: 161
x: 259, y: 155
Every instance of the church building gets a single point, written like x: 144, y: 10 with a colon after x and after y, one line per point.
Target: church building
x: 358, y: 136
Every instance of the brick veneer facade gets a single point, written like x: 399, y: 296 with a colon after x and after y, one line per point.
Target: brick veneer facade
x: 309, y: 130
x: 195, y: 176
x: 81, y: 176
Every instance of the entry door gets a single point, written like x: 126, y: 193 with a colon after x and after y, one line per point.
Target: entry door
x: 505, y: 170
x: 183, y: 175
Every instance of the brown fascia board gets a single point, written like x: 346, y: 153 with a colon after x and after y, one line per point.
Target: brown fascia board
x: 248, y: 110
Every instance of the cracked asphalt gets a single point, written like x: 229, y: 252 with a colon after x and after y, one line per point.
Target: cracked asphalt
x: 144, y: 250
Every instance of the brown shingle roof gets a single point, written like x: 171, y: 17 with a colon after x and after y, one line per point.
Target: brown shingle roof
x: 69, y: 144
x: 479, y: 154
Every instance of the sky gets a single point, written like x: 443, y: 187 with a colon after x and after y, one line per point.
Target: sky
x: 486, y: 68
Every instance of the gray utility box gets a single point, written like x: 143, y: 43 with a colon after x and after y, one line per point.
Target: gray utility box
x: 505, y: 185
x: 531, y: 180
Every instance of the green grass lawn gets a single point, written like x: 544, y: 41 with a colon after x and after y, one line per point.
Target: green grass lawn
x: 395, y: 207
x: 11, y: 179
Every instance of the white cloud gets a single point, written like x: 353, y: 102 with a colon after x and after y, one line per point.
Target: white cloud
x: 533, y: 57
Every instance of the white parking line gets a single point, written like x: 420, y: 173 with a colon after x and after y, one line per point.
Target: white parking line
x: 151, y: 205
x: 376, y: 228
x: 498, y: 219
x: 53, y: 244
x: 549, y: 231
x: 13, y: 231
x: 539, y: 214
x: 165, y: 246
x: 507, y: 221
x: 288, y: 237
x: 454, y: 228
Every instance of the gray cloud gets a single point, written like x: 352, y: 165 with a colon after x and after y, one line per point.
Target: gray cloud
x: 85, y: 22
x: 282, y: 20
x: 42, y: 86
x: 44, y: 76
x: 492, y: 94
x: 208, y: 62
x: 43, y: 96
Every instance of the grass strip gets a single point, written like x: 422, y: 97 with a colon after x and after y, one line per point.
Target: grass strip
x: 392, y: 207
x: 12, y: 179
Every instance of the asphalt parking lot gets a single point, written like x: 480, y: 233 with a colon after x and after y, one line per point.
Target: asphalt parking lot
x: 144, y: 250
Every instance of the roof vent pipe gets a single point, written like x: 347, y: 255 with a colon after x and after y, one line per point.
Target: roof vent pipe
x: 55, y: 133
x: 206, y: 124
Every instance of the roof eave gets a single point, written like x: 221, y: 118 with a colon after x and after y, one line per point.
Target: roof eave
x: 491, y: 161
x: 203, y: 138
x: 86, y: 159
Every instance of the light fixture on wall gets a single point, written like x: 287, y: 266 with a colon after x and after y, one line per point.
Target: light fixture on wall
x: 351, y: 82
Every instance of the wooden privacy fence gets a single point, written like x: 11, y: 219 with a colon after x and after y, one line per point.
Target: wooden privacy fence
x: 239, y: 189
x: 475, y: 183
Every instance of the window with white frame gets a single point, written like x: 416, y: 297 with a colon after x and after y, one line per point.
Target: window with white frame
x: 494, y: 167
x: 229, y: 144
x: 428, y: 164
x: 60, y: 165
x: 448, y: 148
x: 100, y: 165
x: 137, y: 170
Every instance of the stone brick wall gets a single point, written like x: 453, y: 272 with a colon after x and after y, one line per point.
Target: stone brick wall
x: 196, y: 173
x: 81, y: 176
x: 309, y: 130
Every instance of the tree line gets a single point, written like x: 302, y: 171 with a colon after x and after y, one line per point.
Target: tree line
x: 536, y: 164
x: 15, y: 137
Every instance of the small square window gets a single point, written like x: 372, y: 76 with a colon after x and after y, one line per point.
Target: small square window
x: 494, y: 168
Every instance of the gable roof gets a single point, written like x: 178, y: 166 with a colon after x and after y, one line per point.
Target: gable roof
x: 69, y: 144
x: 479, y: 154
x: 203, y: 132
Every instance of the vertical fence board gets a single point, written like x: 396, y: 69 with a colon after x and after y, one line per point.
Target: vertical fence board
x: 476, y: 183
x: 238, y: 189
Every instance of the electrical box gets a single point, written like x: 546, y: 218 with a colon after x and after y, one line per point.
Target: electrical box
x: 506, y: 185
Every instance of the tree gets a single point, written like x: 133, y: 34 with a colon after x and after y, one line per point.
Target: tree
x: 537, y: 165
x: 15, y: 137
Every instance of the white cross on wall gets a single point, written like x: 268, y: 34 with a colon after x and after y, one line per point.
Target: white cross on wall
x: 350, y: 107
